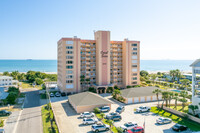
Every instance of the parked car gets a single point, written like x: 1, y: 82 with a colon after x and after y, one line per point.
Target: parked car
x: 136, y: 130
x: 87, y: 121
x: 104, y: 109
x: 111, y: 114
x: 57, y: 94
x: 63, y: 94
x: 51, y: 95
x: 120, y: 109
x: 5, y: 112
x: 100, y: 127
x: 87, y: 115
x: 179, y: 128
x: 2, y: 131
x: 143, y: 109
x: 115, y: 117
x: 162, y: 120
x: 129, y: 126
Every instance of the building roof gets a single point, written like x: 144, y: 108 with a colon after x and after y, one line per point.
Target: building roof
x: 196, y: 63
x: 138, y: 92
x: 88, y: 98
x: 5, y: 77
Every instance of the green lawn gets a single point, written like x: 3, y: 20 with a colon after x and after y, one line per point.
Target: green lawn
x: 179, y: 108
x: 26, y: 85
x: 193, y: 126
x: 46, y: 121
x: 113, y: 129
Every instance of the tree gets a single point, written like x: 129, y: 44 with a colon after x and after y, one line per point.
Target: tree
x: 116, y: 93
x: 154, y: 76
x: 185, y: 82
x: 39, y: 81
x: 6, y: 73
x: 144, y: 73
x: 178, y: 74
x: 21, y: 77
x: 97, y: 110
x: 165, y: 96
x: 157, y: 92
x: 176, y: 97
x: 172, y: 73
x: 193, y: 108
x: 171, y: 95
x: 15, y: 74
x: 102, y: 115
x: 30, y: 76
x: 119, y: 129
x: 110, y: 122
x: 184, y: 95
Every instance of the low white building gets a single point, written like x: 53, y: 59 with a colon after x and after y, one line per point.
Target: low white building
x: 6, y: 81
x: 195, y: 82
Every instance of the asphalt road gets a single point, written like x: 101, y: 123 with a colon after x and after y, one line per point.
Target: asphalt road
x: 30, y: 120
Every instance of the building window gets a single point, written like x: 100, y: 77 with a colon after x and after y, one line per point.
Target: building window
x: 69, y: 52
x: 134, y: 44
x: 69, y: 57
x: 134, y: 65
x: 134, y: 53
x: 134, y: 82
x: 69, y: 42
x: 134, y: 78
x: 134, y: 57
x: 134, y: 74
x: 69, y: 86
x: 134, y: 70
x: 69, y: 76
x: 69, y: 67
x: 69, y: 47
x: 134, y: 48
x: 69, y: 62
x: 69, y: 81
x: 134, y: 61
x: 69, y: 72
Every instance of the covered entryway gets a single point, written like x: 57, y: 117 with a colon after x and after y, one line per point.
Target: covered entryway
x: 101, y: 90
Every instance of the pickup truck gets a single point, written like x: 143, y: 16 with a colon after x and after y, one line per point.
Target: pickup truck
x: 143, y: 109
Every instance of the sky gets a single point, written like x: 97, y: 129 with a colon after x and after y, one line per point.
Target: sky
x: 166, y: 29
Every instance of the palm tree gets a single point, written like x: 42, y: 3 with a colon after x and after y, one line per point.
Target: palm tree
x: 157, y: 92
x: 15, y: 74
x: 171, y: 95
x: 165, y: 96
x: 176, y: 97
x: 183, y: 94
x: 110, y: 122
x: 6, y: 73
x: 102, y: 115
x: 172, y: 73
x: 115, y: 93
x: 154, y: 76
x: 185, y: 82
x: 178, y: 75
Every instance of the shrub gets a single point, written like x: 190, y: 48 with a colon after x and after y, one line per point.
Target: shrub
x: 97, y: 110
x: 92, y: 89
x: 39, y: 81
x: 136, y: 86
x: 119, y: 129
x: 128, y: 86
x: 157, y: 86
x: 116, y: 87
x: 148, y: 81
x: 109, y: 90
x: 1, y: 123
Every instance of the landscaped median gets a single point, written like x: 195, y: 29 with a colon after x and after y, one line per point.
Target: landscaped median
x: 192, y: 125
x: 100, y: 116
x: 48, y: 120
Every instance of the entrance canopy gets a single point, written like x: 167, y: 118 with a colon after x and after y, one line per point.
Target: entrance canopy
x: 102, y: 88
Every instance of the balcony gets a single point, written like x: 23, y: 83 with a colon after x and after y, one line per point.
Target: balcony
x: 87, y: 45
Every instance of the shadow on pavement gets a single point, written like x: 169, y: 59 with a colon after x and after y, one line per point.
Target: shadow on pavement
x: 68, y: 109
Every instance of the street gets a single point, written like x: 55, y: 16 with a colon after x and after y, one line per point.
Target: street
x: 30, y: 120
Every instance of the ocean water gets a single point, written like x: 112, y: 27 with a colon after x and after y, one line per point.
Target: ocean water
x: 51, y: 65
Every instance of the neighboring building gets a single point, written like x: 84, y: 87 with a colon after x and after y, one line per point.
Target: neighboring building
x: 103, y: 63
x: 87, y: 101
x: 140, y: 94
x: 189, y: 76
x: 6, y: 81
x: 3, y: 94
x: 195, y: 83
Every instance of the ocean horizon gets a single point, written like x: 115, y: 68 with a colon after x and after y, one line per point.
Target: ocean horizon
x: 51, y: 65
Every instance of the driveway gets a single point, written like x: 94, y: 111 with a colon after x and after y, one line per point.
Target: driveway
x: 67, y: 119
x: 150, y: 118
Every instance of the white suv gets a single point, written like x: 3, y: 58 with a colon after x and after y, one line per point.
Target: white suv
x: 128, y: 126
x: 87, y: 121
x: 87, y: 115
x: 143, y: 109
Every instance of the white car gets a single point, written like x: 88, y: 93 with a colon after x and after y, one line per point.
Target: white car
x: 128, y: 126
x: 143, y: 109
x: 87, y: 115
x: 162, y: 120
x: 87, y: 121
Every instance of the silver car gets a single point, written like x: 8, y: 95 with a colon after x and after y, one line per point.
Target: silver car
x: 100, y: 127
x: 87, y: 115
x: 162, y: 120
x: 87, y: 121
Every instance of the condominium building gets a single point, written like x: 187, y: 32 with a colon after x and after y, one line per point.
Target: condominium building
x: 98, y: 63
x: 6, y: 81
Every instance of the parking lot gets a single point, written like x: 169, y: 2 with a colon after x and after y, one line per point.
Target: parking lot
x: 69, y: 121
